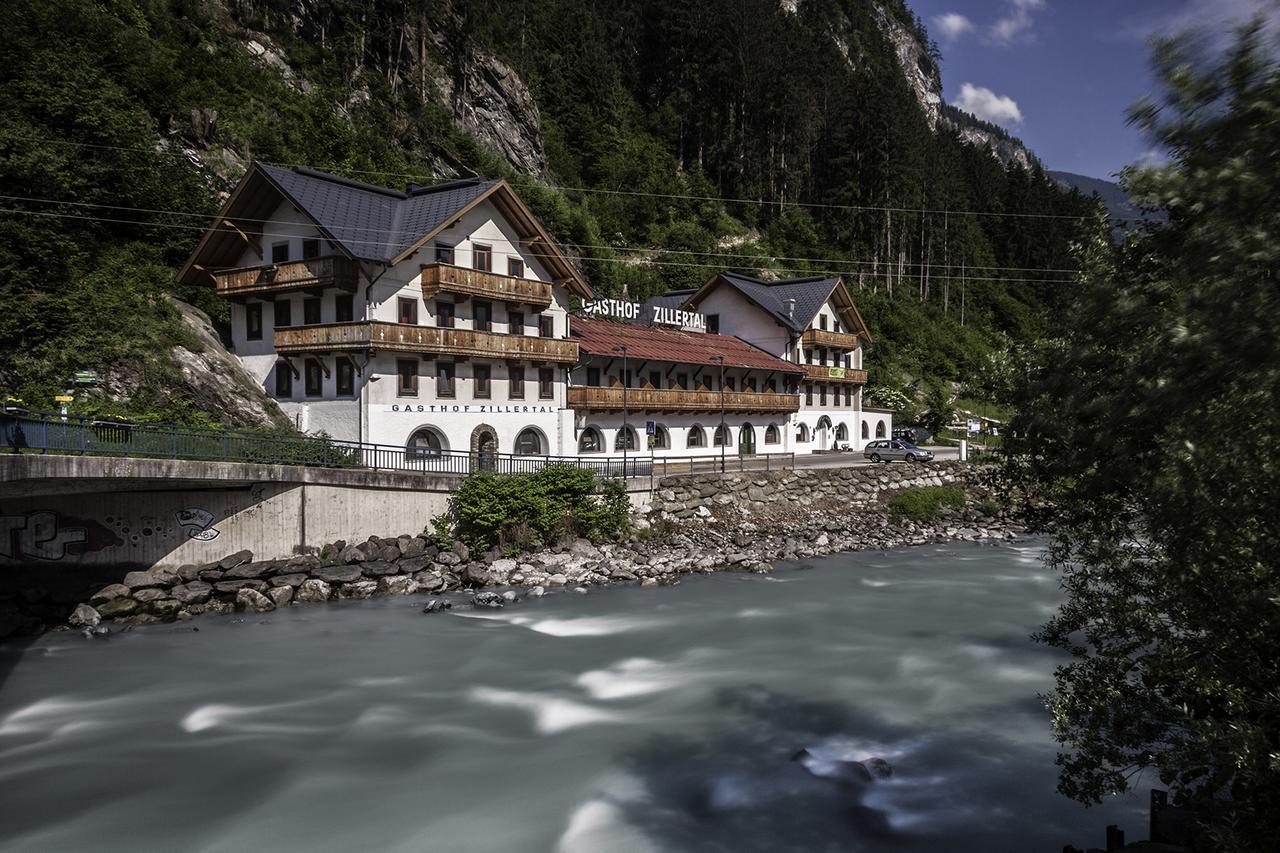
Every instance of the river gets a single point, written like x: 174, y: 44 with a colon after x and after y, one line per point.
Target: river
x: 628, y: 719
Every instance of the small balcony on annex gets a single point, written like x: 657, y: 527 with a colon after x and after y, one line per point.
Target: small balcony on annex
x: 658, y: 370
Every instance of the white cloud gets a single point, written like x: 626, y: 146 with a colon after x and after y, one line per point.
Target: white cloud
x: 1016, y: 22
x: 987, y: 105
x: 1216, y: 17
x: 952, y: 25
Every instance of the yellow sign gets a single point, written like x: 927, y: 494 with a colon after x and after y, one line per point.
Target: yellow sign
x: 64, y: 398
x: 835, y: 372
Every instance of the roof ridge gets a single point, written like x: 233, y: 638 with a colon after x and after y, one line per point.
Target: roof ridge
x: 309, y: 172
x: 414, y: 190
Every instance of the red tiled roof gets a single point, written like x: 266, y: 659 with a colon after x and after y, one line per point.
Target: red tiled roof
x: 659, y: 343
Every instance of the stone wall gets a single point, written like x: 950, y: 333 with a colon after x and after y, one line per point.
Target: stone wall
x: 789, y: 496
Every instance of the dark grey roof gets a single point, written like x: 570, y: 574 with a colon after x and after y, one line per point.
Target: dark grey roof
x: 670, y: 299
x: 809, y: 294
x: 371, y: 222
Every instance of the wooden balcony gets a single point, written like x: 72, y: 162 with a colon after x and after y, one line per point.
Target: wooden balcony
x: 433, y: 340
x: 675, y: 400
x: 319, y: 273
x: 464, y: 282
x: 832, y: 340
x: 820, y: 373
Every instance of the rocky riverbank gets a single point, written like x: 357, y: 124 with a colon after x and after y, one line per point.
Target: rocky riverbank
x: 734, y: 536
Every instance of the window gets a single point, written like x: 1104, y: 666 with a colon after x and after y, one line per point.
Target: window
x: 481, y: 374
x: 731, y: 383
x: 515, y: 322
x: 842, y: 433
x: 253, y: 321
x: 483, y: 315
x: 682, y: 381
x: 749, y: 384
x: 802, y: 433
x: 515, y: 382
x: 591, y: 441
x: 772, y: 434
x: 284, y: 380
x: 822, y: 356
x: 546, y: 383
x: 593, y: 377
x: 697, y: 437
x: 343, y: 308
x: 407, y: 377
x: 444, y: 253
x: 880, y: 429
x: 311, y: 311
x: 771, y: 386
x: 529, y: 442
x: 848, y: 396
x: 809, y: 356
x: 515, y: 267
x: 713, y: 324
x: 723, y: 438
x: 284, y: 313
x: 655, y: 378
x: 444, y: 314
x: 625, y: 377
x: 822, y: 322
x: 407, y: 311
x: 865, y: 432
x: 822, y: 395
x: 481, y: 257
x: 346, y: 380
x: 808, y: 393
x: 423, y: 444
x: 625, y: 440
x: 310, y: 248
x: 546, y: 326
x: 661, y: 438
x: 444, y: 379
x: 313, y: 378
x: 279, y: 252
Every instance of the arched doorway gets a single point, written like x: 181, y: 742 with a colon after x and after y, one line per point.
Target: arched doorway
x: 424, y: 445
x: 747, y: 440
x: 484, y: 448
x: 823, y: 433
x: 529, y: 443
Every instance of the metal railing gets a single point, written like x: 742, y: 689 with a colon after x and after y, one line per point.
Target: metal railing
x: 39, y: 432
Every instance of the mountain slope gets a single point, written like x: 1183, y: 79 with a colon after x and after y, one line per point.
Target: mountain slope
x: 659, y: 140
x: 1123, y: 212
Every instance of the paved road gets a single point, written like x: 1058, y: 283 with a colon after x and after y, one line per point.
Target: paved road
x: 844, y: 460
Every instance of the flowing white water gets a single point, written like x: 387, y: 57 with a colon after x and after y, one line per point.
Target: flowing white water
x: 666, y: 719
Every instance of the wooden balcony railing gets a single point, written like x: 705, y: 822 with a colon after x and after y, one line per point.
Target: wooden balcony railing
x: 445, y: 278
x: 331, y: 271
x: 834, y: 340
x: 676, y: 400
x: 820, y: 373
x: 462, y: 343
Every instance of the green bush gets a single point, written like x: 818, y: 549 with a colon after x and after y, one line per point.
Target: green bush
x: 925, y: 503
x: 516, y: 511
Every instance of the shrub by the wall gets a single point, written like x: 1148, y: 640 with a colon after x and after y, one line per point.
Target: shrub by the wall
x: 926, y: 502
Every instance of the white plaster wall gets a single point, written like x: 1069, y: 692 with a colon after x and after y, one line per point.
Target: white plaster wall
x: 678, y: 427
x: 744, y: 319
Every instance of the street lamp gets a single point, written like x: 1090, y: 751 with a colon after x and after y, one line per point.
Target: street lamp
x: 723, y: 432
x: 626, y: 432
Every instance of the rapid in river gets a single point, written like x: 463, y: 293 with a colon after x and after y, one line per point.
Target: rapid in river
x: 721, y: 714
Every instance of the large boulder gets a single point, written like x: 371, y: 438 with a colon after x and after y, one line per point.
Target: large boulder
x: 232, y: 560
x: 293, y: 580
x: 165, y: 608
x: 413, y: 547
x: 501, y: 570
x: 429, y: 580
x: 378, y: 568
x: 117, y: 608
x: 280, y: 595
x: 84, y: 616
x: 338, y: 574
x: 314, y: 590
x: 252, y: 601
x: 107, y: 593
x: 152, y: 578
x: 476, y: 574
x: 359, y: 589
x: 248, y: 571
x: 195, y: 592
x: 236, y: 586
x: 397, y: 585
x: 487, y: 599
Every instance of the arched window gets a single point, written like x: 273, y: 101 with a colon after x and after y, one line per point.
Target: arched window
x: 802, y: 433
x: 879, y: 429
x: 842, y: 433
x: 866, y: 433
x: 661, y: 438
x: 697, y: 437
x: 723, y: 437
x: 423, y: 444
x: 591, y: 441
x: 772, y: 434
x: 824, y: 422
x: 626, y: 439
x: 529, y: 442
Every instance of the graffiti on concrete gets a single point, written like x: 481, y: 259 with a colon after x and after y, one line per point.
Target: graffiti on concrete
x: 45, y: 535
x: 196, y: 523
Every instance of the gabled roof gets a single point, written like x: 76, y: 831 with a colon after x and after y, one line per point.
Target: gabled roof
x: 365, y: 222
x: 774, y: 297
x: 597, y: 337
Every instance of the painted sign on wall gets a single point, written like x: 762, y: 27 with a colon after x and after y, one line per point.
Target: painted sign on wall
x: 620, y: 309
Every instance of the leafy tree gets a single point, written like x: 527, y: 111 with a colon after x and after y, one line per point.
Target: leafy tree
x: 1151, y: 440
x: 938, y: 411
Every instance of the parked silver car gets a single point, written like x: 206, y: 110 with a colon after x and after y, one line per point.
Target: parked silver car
x: 886, y: 450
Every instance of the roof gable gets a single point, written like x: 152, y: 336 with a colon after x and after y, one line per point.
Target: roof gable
x: 791, y: 302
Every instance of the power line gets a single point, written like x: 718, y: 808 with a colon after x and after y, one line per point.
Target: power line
x: 635, y: 249
x: 629, y: 193
x: 575, y: 256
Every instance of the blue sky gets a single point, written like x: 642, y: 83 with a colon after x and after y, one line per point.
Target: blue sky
x: 1060, y: 74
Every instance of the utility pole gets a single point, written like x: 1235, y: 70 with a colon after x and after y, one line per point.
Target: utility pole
x: 626, y: 431
x: 722, y: 432
x: 962, y: 284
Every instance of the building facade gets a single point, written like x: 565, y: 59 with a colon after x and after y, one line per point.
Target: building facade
x: 445, y: 318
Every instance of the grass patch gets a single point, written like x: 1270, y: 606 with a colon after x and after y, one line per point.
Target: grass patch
x: 926, y: 503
